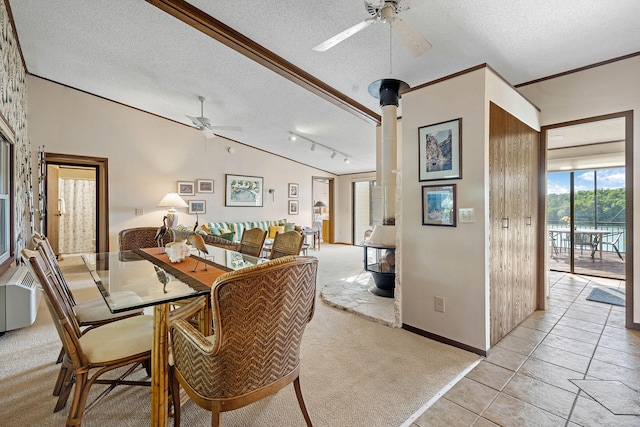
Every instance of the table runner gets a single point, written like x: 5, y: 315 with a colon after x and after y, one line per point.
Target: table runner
x: 183, y: 270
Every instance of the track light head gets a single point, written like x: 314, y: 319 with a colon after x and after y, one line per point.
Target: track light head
x: 346, y: 160
x: 292, y: 137
x: 313, y: 147
x: 333, y: 155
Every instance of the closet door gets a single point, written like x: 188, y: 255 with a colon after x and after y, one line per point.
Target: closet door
x: 513, y: 208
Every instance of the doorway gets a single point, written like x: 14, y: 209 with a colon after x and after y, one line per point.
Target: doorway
x: 76, y: 219
x: 362, y: 196
x: 322, y: 208
x: 595, y: 149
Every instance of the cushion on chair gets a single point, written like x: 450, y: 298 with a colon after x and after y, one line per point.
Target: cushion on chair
x: 118, y: 339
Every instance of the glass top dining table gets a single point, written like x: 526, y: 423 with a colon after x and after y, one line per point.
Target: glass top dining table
x: 149, y: 279
x: 131, y: 279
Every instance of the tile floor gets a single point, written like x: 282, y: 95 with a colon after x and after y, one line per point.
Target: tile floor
x: 572, y: 365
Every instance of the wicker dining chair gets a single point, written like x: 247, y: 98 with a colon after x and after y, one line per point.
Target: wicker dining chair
x: 140, y: 237
x: 289, y: 243
x: 260, y: 314
x: 252, y: 241
x: 88, y: 356
x: 89, y: 313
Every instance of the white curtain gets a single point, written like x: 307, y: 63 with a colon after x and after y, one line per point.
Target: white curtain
x: 78, y: 215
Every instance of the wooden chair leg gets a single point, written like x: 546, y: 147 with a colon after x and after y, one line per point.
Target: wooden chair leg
x: 303, y: 407
x: 79, y: 399
x: 215, y: 418
x: 174, y: 385
x: 60, y: 356
x: 63, y: 376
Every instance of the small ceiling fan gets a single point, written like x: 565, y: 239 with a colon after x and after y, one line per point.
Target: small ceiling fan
x: 387, y: 12
x: 204, y: 123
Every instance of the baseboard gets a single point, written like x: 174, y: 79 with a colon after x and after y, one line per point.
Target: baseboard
x: 445, y: 340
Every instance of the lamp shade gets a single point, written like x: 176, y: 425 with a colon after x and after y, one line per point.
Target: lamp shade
x: 319, y: 204
x: 172, y: 200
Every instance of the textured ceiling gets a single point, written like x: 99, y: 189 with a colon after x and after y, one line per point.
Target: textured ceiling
x: 131, y: 52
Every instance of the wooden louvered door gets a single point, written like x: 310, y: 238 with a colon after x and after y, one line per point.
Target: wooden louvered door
x: 513, y: 221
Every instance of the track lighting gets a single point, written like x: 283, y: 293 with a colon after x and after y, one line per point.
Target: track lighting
x: 315, y: 145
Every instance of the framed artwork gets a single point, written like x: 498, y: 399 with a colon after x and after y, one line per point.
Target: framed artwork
x: 293, y: 207
x: 241, y: 190
x: 197, y: 206
x: 205, y: 186
x: 439, y: 205
x: 293, y: 191
x: 439, y: 148
x: 186, y: 188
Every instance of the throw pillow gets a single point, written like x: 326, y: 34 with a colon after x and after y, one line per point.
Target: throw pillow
x: 290, y: 226
x: 227, y: 236
x: 274, y: 229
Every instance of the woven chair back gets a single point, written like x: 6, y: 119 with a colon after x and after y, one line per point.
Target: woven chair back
x: 252, y: 242
x: 260, y: 314
x: 43, y: 246
x: 140, y: 237
x: 284, y: 244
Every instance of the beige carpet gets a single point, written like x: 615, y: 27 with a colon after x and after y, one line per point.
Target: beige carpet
x: 355, y: 372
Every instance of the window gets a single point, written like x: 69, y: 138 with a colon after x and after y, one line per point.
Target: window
x: 5, y: 202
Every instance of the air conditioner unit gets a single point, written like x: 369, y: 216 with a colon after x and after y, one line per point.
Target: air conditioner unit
x: 19, y: 298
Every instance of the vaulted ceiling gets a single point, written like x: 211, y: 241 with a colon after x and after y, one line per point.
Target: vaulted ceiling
x: 254, y: 64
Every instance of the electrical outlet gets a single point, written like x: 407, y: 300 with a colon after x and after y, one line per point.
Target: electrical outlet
x: 139, y: 211
x: 439, y: 304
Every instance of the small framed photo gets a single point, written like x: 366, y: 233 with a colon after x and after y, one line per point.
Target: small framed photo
x: 205, y: 186
x: 197, y: 206
x: 439, y: 148
x: 186, y: 188
x: 293, y: 207
x: 439, y: 205
x: 241, y: 190
x: 293, y: 191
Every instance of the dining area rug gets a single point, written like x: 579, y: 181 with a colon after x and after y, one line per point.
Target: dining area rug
x: 354, y: 372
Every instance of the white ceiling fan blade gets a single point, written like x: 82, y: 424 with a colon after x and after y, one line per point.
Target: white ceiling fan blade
x: 196, y: 121
x: 234, y: 128
x: 328, y: 44
x: 413, y: 40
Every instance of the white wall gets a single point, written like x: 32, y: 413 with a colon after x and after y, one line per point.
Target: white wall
x: 610, y: 88
x: 451, y: 262
x: 148, y: 154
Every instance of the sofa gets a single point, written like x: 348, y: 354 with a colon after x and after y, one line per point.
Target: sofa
x: 182, y: 233
x: 234, y: 230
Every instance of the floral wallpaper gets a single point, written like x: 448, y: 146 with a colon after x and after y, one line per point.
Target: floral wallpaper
x: 13, y: 107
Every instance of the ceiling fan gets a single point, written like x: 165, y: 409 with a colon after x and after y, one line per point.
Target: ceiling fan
x: 387, y: 12
x: 204, y: 123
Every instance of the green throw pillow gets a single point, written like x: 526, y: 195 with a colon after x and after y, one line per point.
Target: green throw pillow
x: 289, y: 226
x: 214, y: 231
x: 227, y: 236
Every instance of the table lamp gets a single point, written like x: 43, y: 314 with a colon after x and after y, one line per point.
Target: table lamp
x: 172, y: 201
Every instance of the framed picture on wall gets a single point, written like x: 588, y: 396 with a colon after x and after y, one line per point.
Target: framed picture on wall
x: 241, y: 190
x: 197, y: 206
x: 439, y: 151
x: 293, y: 191
x: 205, y: 186
x: 293, y: 207
x: 439, y: 205
x: 186, y: 188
